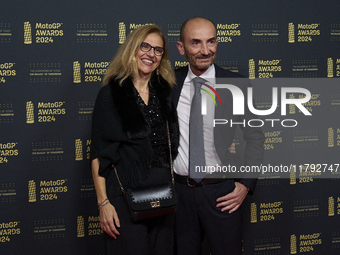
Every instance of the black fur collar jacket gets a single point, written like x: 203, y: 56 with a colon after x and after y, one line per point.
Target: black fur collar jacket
x: 120, y: 132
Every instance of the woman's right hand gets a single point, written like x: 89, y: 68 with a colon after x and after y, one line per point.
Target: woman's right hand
x: 109, y: 220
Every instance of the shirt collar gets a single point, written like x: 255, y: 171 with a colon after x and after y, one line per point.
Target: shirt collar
x: 207, y: 75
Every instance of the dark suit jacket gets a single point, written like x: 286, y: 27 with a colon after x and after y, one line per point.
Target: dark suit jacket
x: 224, y: 133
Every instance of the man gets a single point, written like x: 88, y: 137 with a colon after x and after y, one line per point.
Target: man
x: 210, y: 207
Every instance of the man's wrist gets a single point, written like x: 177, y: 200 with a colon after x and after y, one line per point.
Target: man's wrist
x: 248, y: 190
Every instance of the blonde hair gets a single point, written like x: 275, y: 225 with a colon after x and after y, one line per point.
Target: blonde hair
x: 124, y: 64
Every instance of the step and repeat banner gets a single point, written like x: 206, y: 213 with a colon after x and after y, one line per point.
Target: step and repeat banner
x: 53, y: 55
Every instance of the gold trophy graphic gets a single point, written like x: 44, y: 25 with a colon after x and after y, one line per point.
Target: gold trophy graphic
x: 292, y: 175
x: 293, y: 249
x: 76, y: 72
x: 253, y: 213
x: 122, y: 32
x: 251, y: 69
x: 330, y: 137
x: 27, y: 33
x: 29, y: 112
x: 330, y: 68
x: 330, y: 206
x: 291, y: 33
x: 79, y: 150
x: 80, y: 226
x: 291, y: 106
x: 32, y: 194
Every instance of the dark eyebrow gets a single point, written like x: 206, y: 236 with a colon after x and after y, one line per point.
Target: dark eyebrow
x: 199, y: 40
x: 195, y: 40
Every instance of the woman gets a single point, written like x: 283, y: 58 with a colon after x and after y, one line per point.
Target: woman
x: 129, y: 131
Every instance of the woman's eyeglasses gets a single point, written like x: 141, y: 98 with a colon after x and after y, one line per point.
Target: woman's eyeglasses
x: 147, y: 47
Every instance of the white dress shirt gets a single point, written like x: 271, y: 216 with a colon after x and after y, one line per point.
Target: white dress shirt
x: 181, y: 163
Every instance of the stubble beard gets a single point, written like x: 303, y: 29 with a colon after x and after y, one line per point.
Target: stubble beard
x: 203, y: 66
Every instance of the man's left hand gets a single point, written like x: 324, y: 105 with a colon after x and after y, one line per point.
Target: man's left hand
x: 233, y: 200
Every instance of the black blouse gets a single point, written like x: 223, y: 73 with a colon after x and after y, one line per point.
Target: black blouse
x: 159, y: 133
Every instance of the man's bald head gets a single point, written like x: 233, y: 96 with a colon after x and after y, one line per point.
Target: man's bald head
x: 194, y: 19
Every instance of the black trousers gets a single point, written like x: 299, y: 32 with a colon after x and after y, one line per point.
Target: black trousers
x: 198, y: 217
x: 147, y: 237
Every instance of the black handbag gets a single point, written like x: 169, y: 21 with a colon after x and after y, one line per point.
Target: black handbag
x: 153, y: 201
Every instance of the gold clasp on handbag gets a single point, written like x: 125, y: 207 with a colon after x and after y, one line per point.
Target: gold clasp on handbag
x: 155, y: 204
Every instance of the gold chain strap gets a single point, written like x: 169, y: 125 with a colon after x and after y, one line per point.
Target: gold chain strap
x: 120, y: 184
x: 171, y: 166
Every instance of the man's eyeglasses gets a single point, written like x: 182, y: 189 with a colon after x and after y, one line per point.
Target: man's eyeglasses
x: 147, y: 47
